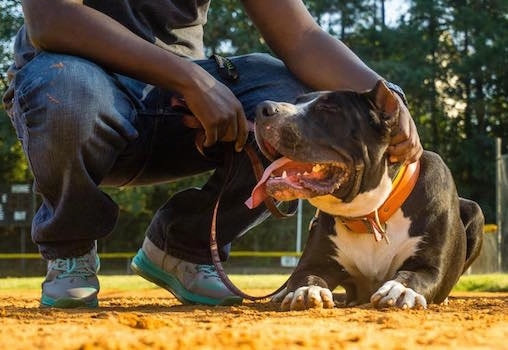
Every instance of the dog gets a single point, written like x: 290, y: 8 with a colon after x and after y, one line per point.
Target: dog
x: 393, y: 235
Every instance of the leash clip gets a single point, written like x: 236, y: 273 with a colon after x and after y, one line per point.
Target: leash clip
x: 371, y: 223
x: 379, y: 229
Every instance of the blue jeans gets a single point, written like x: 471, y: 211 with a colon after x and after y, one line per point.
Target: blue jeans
x: 83, y: 127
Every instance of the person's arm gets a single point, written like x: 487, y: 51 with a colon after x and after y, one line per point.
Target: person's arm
x: 69, y: 27
x: 323, y: 62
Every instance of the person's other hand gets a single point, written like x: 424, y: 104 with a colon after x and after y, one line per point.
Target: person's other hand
x: 405, y: 146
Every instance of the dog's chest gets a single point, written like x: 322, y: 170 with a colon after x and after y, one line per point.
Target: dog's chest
x: 370, y: 261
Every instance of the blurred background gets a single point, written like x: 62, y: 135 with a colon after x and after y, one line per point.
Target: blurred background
x: 449, y: 56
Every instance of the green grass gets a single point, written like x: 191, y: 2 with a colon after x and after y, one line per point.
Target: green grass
x: 483, y: 283
x: 133, y: 282
x: 477, y: 283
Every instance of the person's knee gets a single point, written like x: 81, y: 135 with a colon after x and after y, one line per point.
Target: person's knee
x: 60, y: 85
x: 65, y: 95
x: 71, y: 113
x: 271, y: 69
x: 259, y: 59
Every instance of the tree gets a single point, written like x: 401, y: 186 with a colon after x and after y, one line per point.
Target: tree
x: 230, y: 32
x: 450, y: 58
x: 480, y: 30
x: 10, y: 20
x: 13, y: 167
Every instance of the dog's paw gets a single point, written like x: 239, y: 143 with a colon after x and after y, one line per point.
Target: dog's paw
x: 393, y: 293
x: 277, y: 298
x: 308, y: 297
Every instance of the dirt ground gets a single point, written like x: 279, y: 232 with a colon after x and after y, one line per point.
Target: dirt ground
x: 153, y: 319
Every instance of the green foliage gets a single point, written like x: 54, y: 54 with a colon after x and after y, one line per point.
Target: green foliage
x: 230, y: 32
x: 483, y: 283
x: 10, y: 21
x: 13, y: 167
x: 343, y: 18
x: 450, y: 58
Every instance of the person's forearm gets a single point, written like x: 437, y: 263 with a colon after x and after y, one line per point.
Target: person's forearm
x: 325, y: 63
x: 315, y: 57
x: 72, y: 28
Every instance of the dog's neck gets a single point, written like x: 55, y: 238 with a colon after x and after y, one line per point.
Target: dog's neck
x: 362, y: 204
x: 365, y: 202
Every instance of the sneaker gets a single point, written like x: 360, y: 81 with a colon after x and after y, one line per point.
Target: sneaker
x: 189, y: 283
x: 72, y: 282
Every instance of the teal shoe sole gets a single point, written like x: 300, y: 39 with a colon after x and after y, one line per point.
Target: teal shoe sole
x: 145, y: 268
x: 68, y: 303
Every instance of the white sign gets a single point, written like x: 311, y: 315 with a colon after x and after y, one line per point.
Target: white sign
x: 19, y: 215
x: 21, y: 188
x: 289, y: 261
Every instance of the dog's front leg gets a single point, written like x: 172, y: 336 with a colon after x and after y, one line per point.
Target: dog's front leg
x: 318, y: 271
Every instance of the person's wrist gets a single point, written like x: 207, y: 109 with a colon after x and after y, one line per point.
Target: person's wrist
x: 398, y: 90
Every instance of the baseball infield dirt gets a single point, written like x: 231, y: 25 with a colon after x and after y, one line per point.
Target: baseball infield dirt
x: 153, y: 319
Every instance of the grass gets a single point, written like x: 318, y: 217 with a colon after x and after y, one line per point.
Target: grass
x: 483, y: 283
x: 133, y: 282
x: 476, y: 283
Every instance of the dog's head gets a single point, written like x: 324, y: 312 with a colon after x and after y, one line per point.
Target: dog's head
x: 328, y: 146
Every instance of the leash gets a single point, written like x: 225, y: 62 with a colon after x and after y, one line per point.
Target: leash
x: 214, y: 249
x: 192, y: 122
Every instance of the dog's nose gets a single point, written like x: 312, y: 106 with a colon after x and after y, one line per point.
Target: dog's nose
x: 267, y: 109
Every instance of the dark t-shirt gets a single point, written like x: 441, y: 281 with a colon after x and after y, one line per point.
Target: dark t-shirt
x: 176, y: 25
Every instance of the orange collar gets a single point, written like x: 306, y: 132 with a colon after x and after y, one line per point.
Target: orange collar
x: 375, y: 222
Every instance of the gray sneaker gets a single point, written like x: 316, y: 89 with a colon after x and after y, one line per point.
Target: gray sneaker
x: 72, y: 282
x: 190, y: 283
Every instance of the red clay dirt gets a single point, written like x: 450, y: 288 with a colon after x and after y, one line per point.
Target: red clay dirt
x: 153, y: 319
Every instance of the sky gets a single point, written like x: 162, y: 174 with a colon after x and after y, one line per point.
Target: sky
x: 394, y: 9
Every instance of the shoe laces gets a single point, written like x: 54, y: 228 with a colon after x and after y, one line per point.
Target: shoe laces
x: 209, y: 271
x: 75, y: 267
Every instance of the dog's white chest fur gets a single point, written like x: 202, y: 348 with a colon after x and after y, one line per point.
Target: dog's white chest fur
x: 368, y: 261
x: 371, y: 262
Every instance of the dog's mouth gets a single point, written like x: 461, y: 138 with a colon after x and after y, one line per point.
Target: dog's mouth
x: 287, y: 179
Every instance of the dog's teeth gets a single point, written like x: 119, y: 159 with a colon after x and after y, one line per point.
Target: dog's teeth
x: 306, y: 173
x: 316, y: 168
x: 284, y: 174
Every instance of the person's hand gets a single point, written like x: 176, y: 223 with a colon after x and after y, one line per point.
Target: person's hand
x: 218, y: 110
x: 405, y: 146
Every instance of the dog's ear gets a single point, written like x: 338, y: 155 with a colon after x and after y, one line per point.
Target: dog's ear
x: 384, y: 99
x: 386, y: 104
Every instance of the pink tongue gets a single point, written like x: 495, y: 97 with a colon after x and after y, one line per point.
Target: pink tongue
x: 259, y: 192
